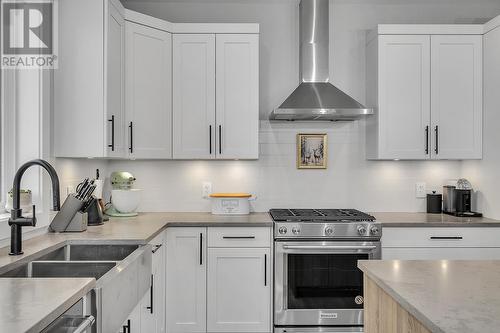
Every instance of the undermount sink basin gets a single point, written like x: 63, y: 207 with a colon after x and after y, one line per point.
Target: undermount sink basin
x: 39, y: 269
x: 89, y: 252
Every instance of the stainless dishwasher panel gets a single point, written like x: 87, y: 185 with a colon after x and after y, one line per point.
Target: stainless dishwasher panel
x: 120, y: 290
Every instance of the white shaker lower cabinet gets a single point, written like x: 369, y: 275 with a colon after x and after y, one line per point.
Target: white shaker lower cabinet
x: 228, y: 290
x: 148, y: 88
x: 186, y: 280
x: 149, y: 315
x: 238, y: 290
x: 443, y: 243
x: 153, y: 304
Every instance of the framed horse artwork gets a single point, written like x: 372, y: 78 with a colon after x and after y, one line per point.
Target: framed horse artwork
x: 312, y: 151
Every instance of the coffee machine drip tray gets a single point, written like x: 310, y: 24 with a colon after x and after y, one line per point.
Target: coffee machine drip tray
x: 464, y: 214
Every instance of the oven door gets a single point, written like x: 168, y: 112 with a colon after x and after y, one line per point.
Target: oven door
x: 319, y: 283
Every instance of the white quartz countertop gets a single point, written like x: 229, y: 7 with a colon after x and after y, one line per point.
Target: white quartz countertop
x: 410, y: 220
x: 445, y: 296
x: 29, y: 305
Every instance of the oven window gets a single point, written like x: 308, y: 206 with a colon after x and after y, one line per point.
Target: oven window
x: 324, y: 281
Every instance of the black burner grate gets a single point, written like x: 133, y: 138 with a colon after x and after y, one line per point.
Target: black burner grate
x: 320, y: 215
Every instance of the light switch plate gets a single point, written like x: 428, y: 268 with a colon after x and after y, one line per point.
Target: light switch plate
x: 420, y: 190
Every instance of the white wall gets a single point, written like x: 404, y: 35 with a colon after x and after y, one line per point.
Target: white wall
x: 350, y: 180
x: 484, y: 174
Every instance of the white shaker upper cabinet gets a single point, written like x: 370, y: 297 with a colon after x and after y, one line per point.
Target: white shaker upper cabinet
x: 457, y: 96
x: 89, y: 83
x: 237, y: 96
x: 194, y: 96
x: 400, y: 128
x: 148, y: 73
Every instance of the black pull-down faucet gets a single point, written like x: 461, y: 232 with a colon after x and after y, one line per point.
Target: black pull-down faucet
x: 17, y: 221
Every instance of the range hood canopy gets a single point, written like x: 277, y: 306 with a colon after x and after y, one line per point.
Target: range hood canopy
x: 316, y: 98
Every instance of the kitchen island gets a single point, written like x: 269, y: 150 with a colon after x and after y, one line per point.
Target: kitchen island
x: 438, y: 296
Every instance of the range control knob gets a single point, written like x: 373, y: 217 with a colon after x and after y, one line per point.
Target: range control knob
x: 328, y: 231
x: 374, y: 230
x: 361, y: 229
x: 282, y: 230
x: 295, y: 230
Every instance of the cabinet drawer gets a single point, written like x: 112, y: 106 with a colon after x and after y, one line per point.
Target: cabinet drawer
x: 441, y: 237
x: 239, y: 237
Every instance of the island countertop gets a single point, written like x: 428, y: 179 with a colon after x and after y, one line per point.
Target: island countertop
x: 445, y: 296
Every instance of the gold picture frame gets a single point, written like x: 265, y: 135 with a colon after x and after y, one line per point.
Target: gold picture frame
x: 312, y: 151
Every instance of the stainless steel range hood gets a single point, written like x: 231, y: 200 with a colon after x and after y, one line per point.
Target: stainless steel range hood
x: 316, y: 98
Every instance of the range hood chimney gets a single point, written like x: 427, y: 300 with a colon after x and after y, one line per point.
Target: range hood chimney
x: 316, y: 98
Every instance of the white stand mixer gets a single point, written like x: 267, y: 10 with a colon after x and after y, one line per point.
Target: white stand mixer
x: 124, y: 199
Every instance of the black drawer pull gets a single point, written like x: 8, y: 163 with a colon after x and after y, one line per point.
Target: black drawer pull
x: 447, y: 237
x: 238, y: 237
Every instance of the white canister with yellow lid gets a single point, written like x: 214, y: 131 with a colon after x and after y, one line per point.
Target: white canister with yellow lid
x: 231, y: 203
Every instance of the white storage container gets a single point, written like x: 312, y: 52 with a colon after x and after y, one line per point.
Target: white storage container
x: 230, y: 203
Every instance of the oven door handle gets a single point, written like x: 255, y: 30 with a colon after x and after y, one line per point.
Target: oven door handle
x: 329, y: 247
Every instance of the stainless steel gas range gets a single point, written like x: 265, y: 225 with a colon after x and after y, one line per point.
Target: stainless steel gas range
x: 318, y: 287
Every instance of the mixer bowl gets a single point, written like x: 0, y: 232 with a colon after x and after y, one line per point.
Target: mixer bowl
x: 126, y: 201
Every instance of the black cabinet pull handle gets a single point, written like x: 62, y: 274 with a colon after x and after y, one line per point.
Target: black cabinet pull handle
x: 151, y: 297
x: 220, y: 139
x: 238, y: 237
x: 210, y: 138
x: 126, y: 328
x: 131, y: 148
x: 447, y: 237
x: 265, y: 270
x: 201, y: 248
x: 436, y: 130
x: 426, y: 140
x: 112, y: 145
x: 156, y: 248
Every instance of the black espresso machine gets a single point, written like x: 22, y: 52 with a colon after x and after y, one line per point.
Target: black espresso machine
x: 457, y: 199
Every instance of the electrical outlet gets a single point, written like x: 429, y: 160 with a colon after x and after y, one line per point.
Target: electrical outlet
x: 206, y: 188
x: 420, y: 190
x: 69, y: 190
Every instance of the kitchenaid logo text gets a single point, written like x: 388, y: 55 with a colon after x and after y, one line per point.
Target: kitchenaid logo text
x: 28, y: 34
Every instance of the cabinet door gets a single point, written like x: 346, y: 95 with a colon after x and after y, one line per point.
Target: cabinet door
x: 194, y: 96
x: 186, y: 280
x: 114, y: 83
x: 153, y: 303
x: 457, y: 100
x: 237, y: 96
x: 404, y: 96
x: 133, y: 323
x: 239, y: 290
x: 148, y: 74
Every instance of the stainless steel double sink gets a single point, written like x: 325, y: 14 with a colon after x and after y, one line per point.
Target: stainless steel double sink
x: 122, y: 271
